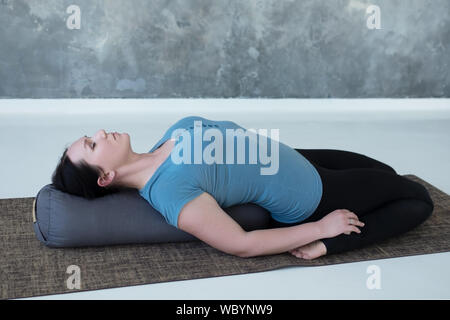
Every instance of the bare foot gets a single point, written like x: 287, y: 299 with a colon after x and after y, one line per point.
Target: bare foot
x: 310, y: 251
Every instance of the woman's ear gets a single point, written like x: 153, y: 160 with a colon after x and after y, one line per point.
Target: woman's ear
x: 106, y: 179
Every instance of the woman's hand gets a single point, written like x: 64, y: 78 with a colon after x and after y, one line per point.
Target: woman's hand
x: 339, y: 221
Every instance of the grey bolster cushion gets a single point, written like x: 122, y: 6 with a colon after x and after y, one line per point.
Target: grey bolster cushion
x: 65, y: 220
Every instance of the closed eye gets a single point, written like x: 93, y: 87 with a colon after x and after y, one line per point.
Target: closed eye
x: 92, y: 145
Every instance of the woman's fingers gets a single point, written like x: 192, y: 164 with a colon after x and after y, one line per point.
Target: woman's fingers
x: 355, y: 229
x: 357, y: 222
x: 349, y: 214
x: 352, y: 229
x: 352, y: 215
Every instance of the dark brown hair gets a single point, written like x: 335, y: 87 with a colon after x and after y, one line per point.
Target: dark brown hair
x: 80, y: 179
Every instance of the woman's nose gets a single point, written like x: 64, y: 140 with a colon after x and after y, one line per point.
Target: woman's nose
x: 100, y: 133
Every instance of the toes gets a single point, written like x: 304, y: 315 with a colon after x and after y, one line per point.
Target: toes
x: 302, y: 254
x: 306, y: 255
x: 296, y: 253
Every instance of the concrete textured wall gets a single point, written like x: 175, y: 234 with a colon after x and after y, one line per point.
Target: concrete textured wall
x: 222, y: 49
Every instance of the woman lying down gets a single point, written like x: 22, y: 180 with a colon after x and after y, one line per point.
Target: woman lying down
x: 321, y: 201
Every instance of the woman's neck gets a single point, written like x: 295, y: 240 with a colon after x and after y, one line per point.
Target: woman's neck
x: 141, y: 166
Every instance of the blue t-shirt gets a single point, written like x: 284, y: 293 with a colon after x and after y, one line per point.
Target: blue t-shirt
x: 290, y: 195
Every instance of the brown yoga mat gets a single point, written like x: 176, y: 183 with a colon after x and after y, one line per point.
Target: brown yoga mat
x: 28, y: 268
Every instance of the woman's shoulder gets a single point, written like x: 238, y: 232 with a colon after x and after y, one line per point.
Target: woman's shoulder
x: 190, y: 119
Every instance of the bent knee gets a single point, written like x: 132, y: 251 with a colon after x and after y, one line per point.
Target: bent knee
x: 422, y: 210
x: 425, y: 196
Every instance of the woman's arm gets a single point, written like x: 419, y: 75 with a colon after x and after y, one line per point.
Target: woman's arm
x: 205, y: 219
x: 278, y: 240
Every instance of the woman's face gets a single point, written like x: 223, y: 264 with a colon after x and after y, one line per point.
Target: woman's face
x: 107, y: 150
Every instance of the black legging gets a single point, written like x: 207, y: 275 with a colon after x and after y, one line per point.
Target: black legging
x: 389, y: 204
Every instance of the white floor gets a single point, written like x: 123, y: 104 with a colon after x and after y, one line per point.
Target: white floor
x: 411, y: 135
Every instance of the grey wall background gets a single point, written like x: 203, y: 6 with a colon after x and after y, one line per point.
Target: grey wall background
x: 220, y: 49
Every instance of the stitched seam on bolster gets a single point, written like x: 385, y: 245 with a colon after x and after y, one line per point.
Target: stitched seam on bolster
x: 50, y: 208
x: 33, y: 212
